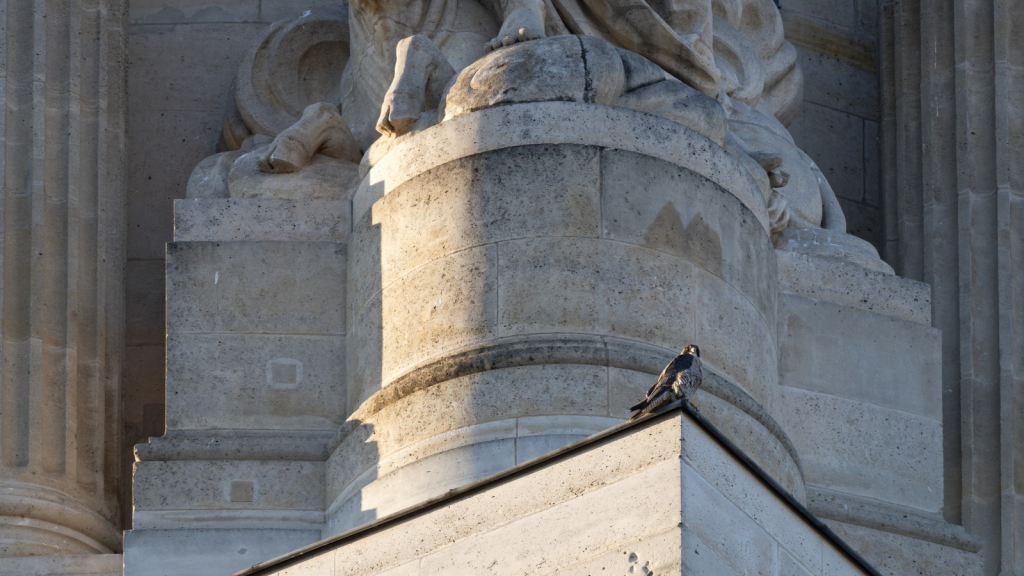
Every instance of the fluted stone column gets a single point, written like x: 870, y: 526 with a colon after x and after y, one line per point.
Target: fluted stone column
x: 954, y: 72
x: 62, y: 157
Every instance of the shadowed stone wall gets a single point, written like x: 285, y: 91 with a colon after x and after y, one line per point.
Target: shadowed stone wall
x: 953, y: 141
x: 183, y: 56
x: 836, y: 41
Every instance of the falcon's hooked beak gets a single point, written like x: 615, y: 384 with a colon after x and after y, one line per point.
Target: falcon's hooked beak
x: 692, y: 349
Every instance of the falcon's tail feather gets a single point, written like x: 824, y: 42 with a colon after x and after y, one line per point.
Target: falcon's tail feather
x: 652, y: 406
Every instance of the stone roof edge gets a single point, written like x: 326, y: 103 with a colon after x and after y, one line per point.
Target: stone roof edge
x: 275, y: 564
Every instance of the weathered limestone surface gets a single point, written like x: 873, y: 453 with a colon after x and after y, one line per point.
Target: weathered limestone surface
x: 64, y: 565
x: 203, y: 552
x: 630, y: 501
x: 62, y: 160
x: 869, y: 435
x: 489, y: 303
x: 952, y: 140
x: 255, y: 380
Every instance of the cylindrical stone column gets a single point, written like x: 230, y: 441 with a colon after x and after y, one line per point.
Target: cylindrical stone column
x: 518, y: 278
x: 61, y: 285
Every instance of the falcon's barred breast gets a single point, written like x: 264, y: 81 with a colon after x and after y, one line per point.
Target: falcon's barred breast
x: 680, y: 379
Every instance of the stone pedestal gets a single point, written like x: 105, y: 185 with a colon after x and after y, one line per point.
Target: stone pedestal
x: 255, y: 385
x: 519, y: 275
x: 860, y: 396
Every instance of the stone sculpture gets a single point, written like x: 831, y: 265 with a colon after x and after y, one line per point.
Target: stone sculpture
x: 721, y: 68
x: 679, y: 380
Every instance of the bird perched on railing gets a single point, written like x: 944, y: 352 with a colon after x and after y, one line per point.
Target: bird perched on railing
x: 680, y: 379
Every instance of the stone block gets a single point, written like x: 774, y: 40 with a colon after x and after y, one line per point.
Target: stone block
x: 665, y: 207
x: 220, y: 485
x: 238, y: 219
x: 255, y: 381
x: 206, y: 552
x: 586, y: 472
x: 596, y: 287
x: 553, y: 123
x: 848, y: 284
x: 602, y: 520
x: 860, y: 355
x: 735, y: 339
x: 445, y: 305
x: 864, y: 449
x: 256, y: 287
x: 710, y: 517
x: 744, y: 490
x: 625, y: 503
x: 487, y: 198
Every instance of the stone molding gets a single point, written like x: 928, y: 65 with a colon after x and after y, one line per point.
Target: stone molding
x: 553, y: 123
x: 227, y: 519
x: 311, y: 445
x: 851, y: 285
x: 245, y: 219
x: 852, y: 509
x: 57, y: 516
x: 531, y: 350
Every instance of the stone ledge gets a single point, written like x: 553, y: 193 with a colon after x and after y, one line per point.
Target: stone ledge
x: 236, y: 445
x: 242, y: 219
x: 556, y: 123
x: 538, y: 349
x: 851, y: 285
x: 851, y: 509
x: 227, y: 519
x: 65, y: 564
x: 451, y: 518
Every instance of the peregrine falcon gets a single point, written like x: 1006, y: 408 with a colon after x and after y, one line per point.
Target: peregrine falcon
x: 680, y: 379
